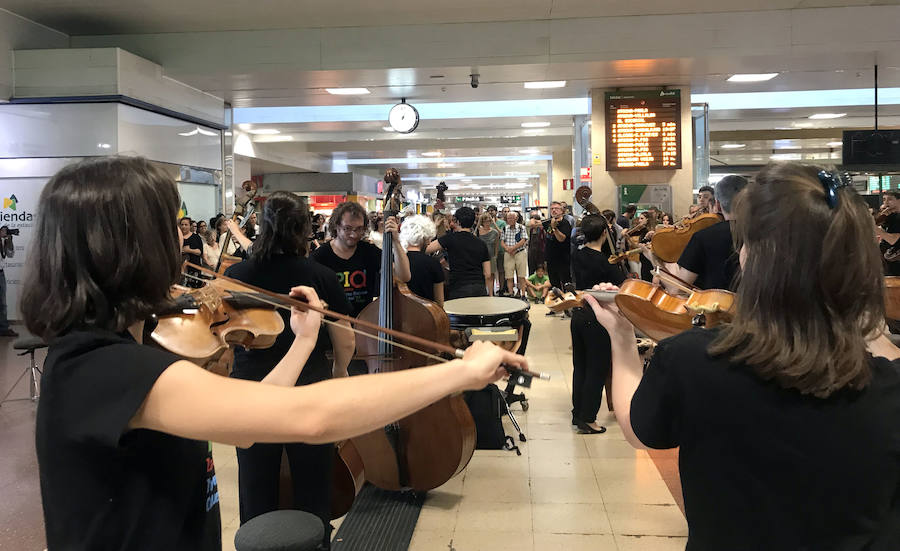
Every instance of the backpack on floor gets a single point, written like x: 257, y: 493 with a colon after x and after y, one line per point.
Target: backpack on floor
x: 486, y: 406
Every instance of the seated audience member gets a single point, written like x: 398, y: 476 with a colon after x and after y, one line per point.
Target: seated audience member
x: 538, y: 284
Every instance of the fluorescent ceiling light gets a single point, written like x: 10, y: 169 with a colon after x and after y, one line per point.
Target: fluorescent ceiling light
x: 785, y: 157
x: 348, y: 91
x: 103, y: 145
x: 466, y: 180
x: 460, y: 177
x: 733, y: 145
x: 546, y: 84
x: 536, y: 124
x: 199, y: 130
x: 275, y: 139
x: 752, y: 77
x: 823, y: 116
x: 529, y: 151
x: 864, y: 97
x: 387, y: 128
x: 446, y: 165
x: 427, y: 111
x: 426, y: 160
x: 835, y: 144
x: 431, y: 154
x: 244, y: 126
x: 264, y: 131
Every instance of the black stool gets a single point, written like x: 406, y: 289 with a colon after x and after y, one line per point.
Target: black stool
x: 29, y: 344
x: 285, y: 530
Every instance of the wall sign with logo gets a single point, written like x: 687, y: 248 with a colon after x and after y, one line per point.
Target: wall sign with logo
x: 19, y: 215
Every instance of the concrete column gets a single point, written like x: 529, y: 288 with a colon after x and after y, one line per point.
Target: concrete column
x: 562, y: 169
x: 606, y: 184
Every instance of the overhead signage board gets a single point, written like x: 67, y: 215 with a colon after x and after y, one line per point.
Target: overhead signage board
x: 507, y: 199
x: 643, y: 130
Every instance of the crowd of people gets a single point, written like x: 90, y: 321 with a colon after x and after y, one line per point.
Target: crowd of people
x: 783, y: 417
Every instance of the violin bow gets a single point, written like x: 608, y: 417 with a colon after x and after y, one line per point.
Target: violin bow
x: 523, y: 376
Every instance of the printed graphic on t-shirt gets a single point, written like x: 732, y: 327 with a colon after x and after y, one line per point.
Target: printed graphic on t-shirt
x: 212, y: 484
x: 354, y: 284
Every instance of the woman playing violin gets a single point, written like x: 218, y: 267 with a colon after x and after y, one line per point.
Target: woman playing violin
x: 785, y: 418
x: 122, y: 428
x: 590, y: 341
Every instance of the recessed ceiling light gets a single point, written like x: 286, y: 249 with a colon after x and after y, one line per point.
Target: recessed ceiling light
x: 835, y: 144
x: 752, y: 77
x: 264, y: 131
x: 466, y: 180
x: 733, y: 145
x: 244, y: 126
x: 431, y: 154
x: 387, y: 128
x: 446, y: 165
x: 348, y: 91
x: 785, y: 157
x: 546, y: 84
x: 788, y: 146
x: 819, y: 116
x: 276, y: 139
x: 529, y: 151
x: 537, y: 124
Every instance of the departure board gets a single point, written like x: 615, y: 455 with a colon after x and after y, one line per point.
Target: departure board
x: 643, y: 130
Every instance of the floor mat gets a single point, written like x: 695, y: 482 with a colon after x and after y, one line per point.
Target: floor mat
x: 380, y: 520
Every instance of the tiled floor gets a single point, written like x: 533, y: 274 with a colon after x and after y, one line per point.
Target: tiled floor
x: 566, y: 491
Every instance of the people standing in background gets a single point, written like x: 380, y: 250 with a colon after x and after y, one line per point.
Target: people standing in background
x: 515, y: 259
x: 536, y: 242
x: 558, y: 247
x: 888, y: 232
x: 491, y: 237
x: 538, y: 284
x: 624, y: 219
x: 277, y: 263
x: 211, y: 249
x: 500, y: 224
x: 468, y: 256
x: 705, y: 197
x: 201, y: 229
x: 191, y: 251
x: 251, y: 228
x: 617, y: 229
x: 193, y: 226
x: 427, y: 279
x: 7, y: 250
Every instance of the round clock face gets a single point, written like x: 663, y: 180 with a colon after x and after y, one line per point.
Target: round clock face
x: 403, y: 118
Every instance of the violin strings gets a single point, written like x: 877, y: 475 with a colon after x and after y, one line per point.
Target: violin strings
x: 379, y: 338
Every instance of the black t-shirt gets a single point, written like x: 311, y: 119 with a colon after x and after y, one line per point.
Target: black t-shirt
x: 194, y: 242
x: 591, y: 267
x: 105, y: 487
x: 278, y: 275
x: 710, y: 254
x: 465, y: 253
x: 763, y: 467
x: 358, y: 275
x: 426, y: 272
x: 559, y: 251
x: 891, y: 225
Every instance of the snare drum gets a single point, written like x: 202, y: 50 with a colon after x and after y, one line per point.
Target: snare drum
x: 474, y: 313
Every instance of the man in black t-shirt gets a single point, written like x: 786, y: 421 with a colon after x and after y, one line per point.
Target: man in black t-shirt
x: 709, y: 260
x: 357, y: 263
x: 470, y: 261
x: 558, y: 246
x: 889, y: 233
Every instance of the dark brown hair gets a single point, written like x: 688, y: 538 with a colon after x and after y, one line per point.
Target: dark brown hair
x: 804, y: 325
x: 105, y: 250
x: 352, y: 207
x: 284, y: 229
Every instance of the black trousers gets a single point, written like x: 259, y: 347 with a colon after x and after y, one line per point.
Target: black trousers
x: 591, y: 362
x: 467, y: 290
x: 259, y: 471
x: 558, y: 271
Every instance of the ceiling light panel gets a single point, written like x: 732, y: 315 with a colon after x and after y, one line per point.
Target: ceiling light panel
x: 752, y: 77
x: 545, y: 84
x: 536, y: 124
x: 826, y: 116
x: 264, y: 131
x: 348, y: 91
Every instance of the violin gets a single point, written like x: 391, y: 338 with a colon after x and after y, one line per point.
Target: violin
x: 892, y: 297
x: 669, y: 242
x: 204, y: 323
x: 883, y: 213
x: 659, y: 314
x: 558, y: 301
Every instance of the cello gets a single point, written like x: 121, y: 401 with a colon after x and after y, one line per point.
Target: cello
x: 427, y: 448
x: 243, y: 205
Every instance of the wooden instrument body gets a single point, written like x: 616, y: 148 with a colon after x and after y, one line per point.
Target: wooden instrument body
x: 668, y: 243
x: 660, y: 315
x: 348, y: 477
x: 892, y: 297
x: 215, y: 324
x: 433, y: 444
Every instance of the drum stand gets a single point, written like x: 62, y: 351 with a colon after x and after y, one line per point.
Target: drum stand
x: 510, y: 396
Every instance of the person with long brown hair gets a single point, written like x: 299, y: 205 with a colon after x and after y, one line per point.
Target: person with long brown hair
x: 787, y: 417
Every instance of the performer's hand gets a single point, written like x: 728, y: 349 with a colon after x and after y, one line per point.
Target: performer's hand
x: 482, y: 361
x: 306, y: 324
x: 609, y: 316
x: 391, y: 226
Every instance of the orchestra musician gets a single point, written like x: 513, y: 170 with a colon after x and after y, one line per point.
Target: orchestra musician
x: 888, y: 232
x: 122, y: 428
x: 793, y: 403
x: 706, y: 195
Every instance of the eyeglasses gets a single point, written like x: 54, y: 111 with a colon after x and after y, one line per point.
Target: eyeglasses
x: 355, y: 230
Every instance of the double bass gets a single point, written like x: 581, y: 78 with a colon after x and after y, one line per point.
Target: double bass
x: 427, y: 448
